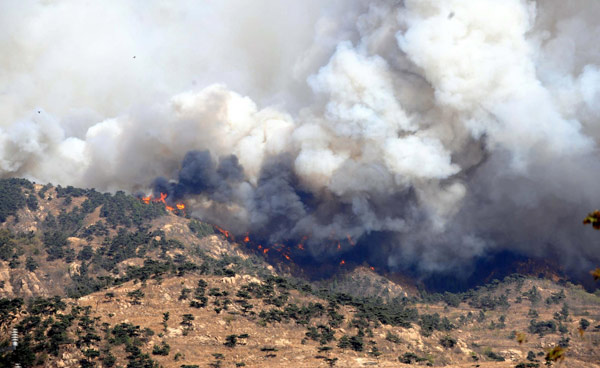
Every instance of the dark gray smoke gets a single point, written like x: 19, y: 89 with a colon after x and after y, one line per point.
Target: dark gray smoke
x: 199, y: 175
x: 424, y: 134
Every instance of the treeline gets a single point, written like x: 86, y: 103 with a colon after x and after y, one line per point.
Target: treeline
x: 119, y: 209
x: 48, y: 328
x: 13, y: 198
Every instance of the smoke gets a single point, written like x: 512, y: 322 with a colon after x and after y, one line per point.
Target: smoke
x: 433, y: 133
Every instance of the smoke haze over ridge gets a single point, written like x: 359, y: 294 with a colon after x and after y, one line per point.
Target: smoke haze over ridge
x: 456, y: 129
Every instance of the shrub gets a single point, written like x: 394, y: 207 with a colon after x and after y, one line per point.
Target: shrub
x: 542, y: 327
x: 448, y: 342
x: 231, y: 341
x: 490, y: 354
x: 163, y: 349
x: 584, y: 324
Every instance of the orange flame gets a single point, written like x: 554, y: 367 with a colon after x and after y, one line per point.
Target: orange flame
x: 163, y: 196
x: 246, y: 239
x: 287, y: 257
x: 352, y: 243
x: 372, y: 268
x: 266, y: 250
x: 342, y: 262
x: 224, y: 232
x: 259, y: 246
x: 339, y: 246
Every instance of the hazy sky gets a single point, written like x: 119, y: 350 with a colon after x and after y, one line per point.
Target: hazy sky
x: 454, y: 128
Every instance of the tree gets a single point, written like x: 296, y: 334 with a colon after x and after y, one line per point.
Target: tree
x: 162, y: 349
x: 584, y: 324
x: 164, y: 320
x: 356, y: 343
x: 344, y: 342
x: 30, y: 264
x: 136, y: 296
x: 86, y: 253
x: 231, y: 341
x: 186, y: 322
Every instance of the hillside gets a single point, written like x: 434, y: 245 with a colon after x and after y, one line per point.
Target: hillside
x: 92, y: 279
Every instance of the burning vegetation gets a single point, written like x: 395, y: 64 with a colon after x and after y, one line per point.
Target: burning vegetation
x: 287, y: 251
x: 179, y: 207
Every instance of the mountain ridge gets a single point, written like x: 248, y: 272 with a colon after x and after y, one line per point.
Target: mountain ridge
x: 88, y: 277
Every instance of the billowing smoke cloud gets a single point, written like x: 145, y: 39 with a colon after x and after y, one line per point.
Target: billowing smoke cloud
x: 431, y: 132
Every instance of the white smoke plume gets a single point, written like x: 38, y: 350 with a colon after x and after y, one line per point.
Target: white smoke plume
x: 449, y: 129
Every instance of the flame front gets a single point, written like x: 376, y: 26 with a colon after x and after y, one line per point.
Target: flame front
x: 162, y: 199
x: 222, y: 231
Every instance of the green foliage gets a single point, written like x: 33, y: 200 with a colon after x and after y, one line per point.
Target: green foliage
x: 8, y: 245
x: 30, y: 264
x: 390, y: 336
x: 136, y: 296
x: 162, y: 349
x: 125, y: 245
x: 9, y: 309
x: 410, y: 358
x: 83, y: 284
x: 374, y: 352
x: 57, y: 334
x: 493, y: 356
x: 45, y: 188
x: 323, y: 334
x: 584, y: 324
x: 527, y: 365
x: 356, y: 343
x: 186, y: 320
x: 533, y: 295
x: 32, y: 202
x: 231, y: 341
x: 125, y: 210
x: 12, y: 197
x: 489, y: 302
x: 394, y: 313
x: 555, y: 298
x: 86, y: 253
x: 43, y: 306
x: 344, y: 342
x: 448, y: 342
x: 201, y: 229
x: 431, y: 322
x: 124, y: 333
x: 542, y: 327
x: 563, y: 314
x: 453, y: 300
x: 150, y: 269
x: 55, y: 243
